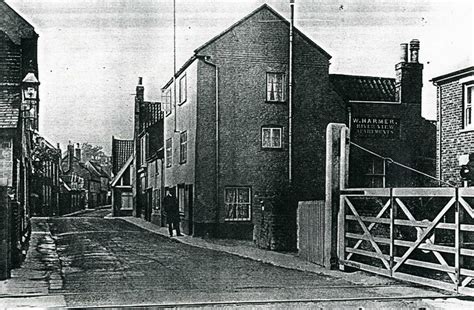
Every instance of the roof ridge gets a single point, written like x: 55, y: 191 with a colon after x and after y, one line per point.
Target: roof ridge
x: 361, y: 76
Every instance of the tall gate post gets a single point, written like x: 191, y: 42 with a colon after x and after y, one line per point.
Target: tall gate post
x: 337, y: 151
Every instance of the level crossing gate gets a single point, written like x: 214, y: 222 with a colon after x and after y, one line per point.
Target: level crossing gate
x: 421, y: 235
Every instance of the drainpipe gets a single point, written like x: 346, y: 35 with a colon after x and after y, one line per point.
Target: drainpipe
x: 216, y: 124
x: 174, y: 64
x: 290, y: 96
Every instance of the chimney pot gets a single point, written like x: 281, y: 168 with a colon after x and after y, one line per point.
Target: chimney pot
x: 140, y: 80
x: 404, y: 52
x: 414, y: 50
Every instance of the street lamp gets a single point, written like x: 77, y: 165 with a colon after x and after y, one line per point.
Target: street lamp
x: 30, y: 98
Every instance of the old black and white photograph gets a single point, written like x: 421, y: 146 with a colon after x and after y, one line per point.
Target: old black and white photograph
x: 237, y: 154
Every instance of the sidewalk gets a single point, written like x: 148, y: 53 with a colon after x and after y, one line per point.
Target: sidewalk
x: 31, y: 285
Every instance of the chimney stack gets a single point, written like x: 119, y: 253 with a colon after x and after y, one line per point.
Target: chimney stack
x: 78, y: 152
x: 70, y: 155
x: 409, y: 74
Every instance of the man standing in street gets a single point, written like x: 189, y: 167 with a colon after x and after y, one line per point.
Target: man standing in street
x: 170, y: 204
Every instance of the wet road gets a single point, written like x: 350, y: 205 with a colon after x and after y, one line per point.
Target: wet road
x: 112, y: 262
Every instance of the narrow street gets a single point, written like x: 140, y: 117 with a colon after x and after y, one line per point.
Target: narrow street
x: 109, y: 262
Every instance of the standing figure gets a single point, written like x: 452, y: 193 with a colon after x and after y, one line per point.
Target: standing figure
x: 170, y: 204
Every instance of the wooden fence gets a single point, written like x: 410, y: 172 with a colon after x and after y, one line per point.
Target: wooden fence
x: 422, y: 235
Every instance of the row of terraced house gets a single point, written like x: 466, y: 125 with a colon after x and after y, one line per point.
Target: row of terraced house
x: 240, y: 145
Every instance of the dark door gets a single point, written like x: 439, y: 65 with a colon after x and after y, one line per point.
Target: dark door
x: 149, y: 204
x: 188, y: 209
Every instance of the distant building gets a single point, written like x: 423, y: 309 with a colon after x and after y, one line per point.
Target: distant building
x: 73, y: 168
x: 97, y: 169
x: 226, y: 130
x: 148, y: 137
x: 45, y: 183
x: 18, y: 59
x: 455, y: 127
x: 123, y: 176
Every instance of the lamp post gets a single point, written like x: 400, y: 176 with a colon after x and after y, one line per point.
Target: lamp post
x: 30, y: 99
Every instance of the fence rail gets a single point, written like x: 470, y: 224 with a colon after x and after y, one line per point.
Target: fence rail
x: 422, y: 235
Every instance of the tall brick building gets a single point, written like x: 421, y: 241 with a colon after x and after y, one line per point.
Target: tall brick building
x: 226, y: 127
x: 455, y: 128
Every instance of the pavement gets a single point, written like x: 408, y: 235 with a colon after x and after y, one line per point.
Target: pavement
x: 32, y: 284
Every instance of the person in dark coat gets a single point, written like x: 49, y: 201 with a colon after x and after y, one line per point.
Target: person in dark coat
x: 170, y: 204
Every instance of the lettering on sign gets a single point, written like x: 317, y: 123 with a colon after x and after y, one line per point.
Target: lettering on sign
x: 375, y: 127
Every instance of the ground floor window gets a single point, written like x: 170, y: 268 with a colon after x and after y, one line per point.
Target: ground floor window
x: 127, y: 201
x: 237, y: 203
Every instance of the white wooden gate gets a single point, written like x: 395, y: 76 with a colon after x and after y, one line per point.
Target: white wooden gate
x: 422, y: 235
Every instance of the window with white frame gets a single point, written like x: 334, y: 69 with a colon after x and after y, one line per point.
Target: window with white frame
x: 276, y: 87
x: 169, y: 154
x: 237, y: 203
x: 271, y: 137
x: 166, y: 99
x: 183, y: 147
x: 468, y: 109
x: 182, y: 89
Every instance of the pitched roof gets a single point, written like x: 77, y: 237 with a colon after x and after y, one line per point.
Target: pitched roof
x: 122, y: 170
x: 262, y: 7
x: 364, y: 88
x: 99, y: 169
x: 121, y: 151
x: 150, y: 114
x: 269, y: 8
x: 455, y: 74
x: 15, y: 26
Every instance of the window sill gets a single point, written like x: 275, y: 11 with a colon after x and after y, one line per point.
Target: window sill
x: 275, y: 102
x: 238, y: 221
x: 272, y: 149
x: 468, y: 129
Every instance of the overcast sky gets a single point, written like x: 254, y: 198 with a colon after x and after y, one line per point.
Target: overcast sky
x: 91, y: 52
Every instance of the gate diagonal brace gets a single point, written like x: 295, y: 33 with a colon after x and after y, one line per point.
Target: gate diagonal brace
x: 438, y: 256
x: 425, y: 233
x: 372, y: 225
x: 366, y: 231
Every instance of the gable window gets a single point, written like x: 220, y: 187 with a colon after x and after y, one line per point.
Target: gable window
x: 167, y: 101
x: 182, y: 89
x: 237, y: 203
x: 276, y: 87
x: 183, y: 147
x: 468, y: 109
x: 169, y: 158
x: 271, y: 137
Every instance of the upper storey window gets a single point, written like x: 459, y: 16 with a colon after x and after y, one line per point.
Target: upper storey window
x: 468, y: 111
x: 276, y: 87
x: 167, y: 101
x: 182, y: 90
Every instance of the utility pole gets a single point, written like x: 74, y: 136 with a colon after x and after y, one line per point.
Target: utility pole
x: 290, y: 95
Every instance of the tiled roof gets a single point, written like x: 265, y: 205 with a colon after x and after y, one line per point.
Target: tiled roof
x: 8, y: 115
x: 150, y: 114
x: 15, y: 26
x: 121, y: 151
x: 364, y: 88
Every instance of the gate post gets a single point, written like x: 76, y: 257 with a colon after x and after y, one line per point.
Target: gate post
x: 336, y: 175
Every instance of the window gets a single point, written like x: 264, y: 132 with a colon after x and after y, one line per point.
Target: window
x: 375, y: 173
x: 468, y: 111
x: 167, y: 101
x: 143, y: 150
x: 276, y: 87
x: 183, y: 147
x: 182, y: 89
x: 271, y: 137
x: 169, y: 158
x: 237, y: 203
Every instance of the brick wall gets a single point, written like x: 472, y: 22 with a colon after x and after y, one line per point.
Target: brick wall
x: 243, y: 57
x: 454, y: 140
